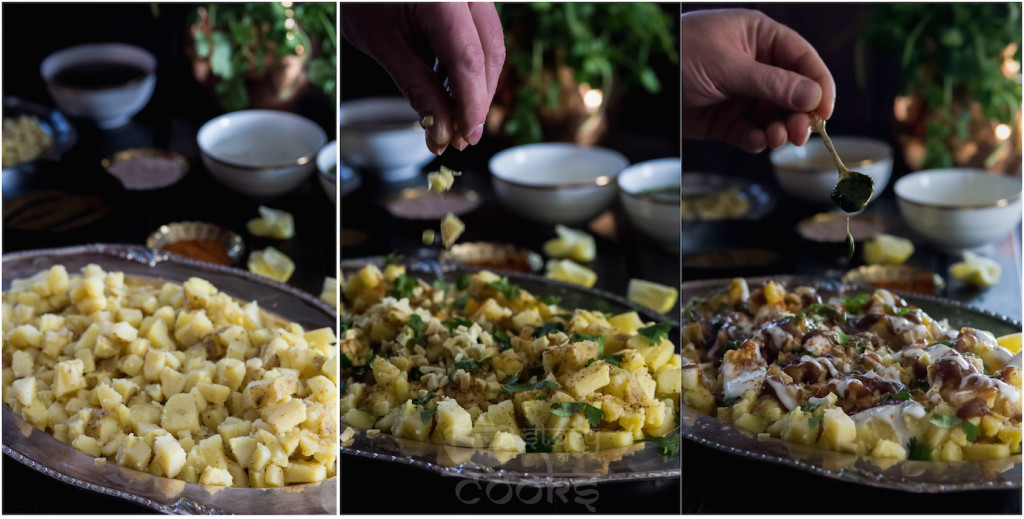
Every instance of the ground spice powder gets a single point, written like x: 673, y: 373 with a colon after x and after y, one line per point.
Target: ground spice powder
x: 204, y: 250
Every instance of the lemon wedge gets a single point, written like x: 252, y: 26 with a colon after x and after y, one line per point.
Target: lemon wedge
x: 976, y: 270
x: 571, y: 243
x: 329, y: 292
x: 659, y: 298
x: 272, y: 223
x: 271, y: 263
x: 1010, y: 342
x: 571, y: 272
x: 886, y: 249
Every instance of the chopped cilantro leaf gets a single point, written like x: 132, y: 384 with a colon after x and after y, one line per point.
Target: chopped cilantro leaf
x: 861, y: 346
x: 452, y: 324
x: 918, y: 451
x: 729, y: 345
x: 361, y: 370
x: 729, y: 402
x: 503, y: 339
x: 440, y: 284
x: 541, y: 396
x: 537, y: 441
x: 814, y: 420
x: 945, y: 420
x: 919, y: 383
x: 902, y: 310
x: 467, y: 365
x: 590, y: 361
x: 808, y: 408
x: 510, y: 387
x: 346, y: 362
x: 424, y: 400
x: 463, y: 282
x: 655, y: 333
x: 970, y: 430
x: 579, y: 337
x: 402, y: 287
x: 460, y: 303
x: 508, y: 290
x: 902, y: 395
x: 553, y: 326
x: 427, y: 414
x: 416, y: 323
x: 393, y: 258
x: 854, y: 304
x: 551, y: 300
x: 614, y: 360
x: 564, y: 317
x: 820, y: 310
x: 843, y: 338
x: 948, y: 344
x: 592, y: 414
x: 346, y: 324
x: 666, y: 445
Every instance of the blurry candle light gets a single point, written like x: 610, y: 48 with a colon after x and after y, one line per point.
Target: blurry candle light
x: 1003, y: 132
x: 286, y: 4
x: 299, y: 49
x: 289, y: 23
x: 592, y: 99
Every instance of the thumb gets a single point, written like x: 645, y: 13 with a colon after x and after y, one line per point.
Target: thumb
x: 785, y: 89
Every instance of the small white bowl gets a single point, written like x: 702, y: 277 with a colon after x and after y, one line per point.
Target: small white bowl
x: 959, y: 208
x: 807, y: 172
x: 325, y: 160
x: 111, y: 106
x: 260, y: 152
x: 656, y: 216
x: 558, y: 182
x: 383, y: 135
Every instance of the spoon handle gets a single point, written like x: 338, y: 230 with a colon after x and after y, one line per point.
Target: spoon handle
x: 818, y: 125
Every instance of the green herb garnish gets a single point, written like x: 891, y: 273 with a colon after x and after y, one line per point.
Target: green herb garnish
x: 655, y: 333
x: 511, y: 387
x: 854, y: 304
x: 466, y: 365
x: 614, y: 360
x: 666, y: 445
x: 548, y: 328
x: 541, y: 396
x: 346, y: 324
x: 346, y: 362
x: 463, y: 282
x: 427, y: 414
x: 537, y: 441
x: 456, y: 322
x: 361, y: 370
x: 808, y: 408
x: 416, y: 323
x: 729, y: 402
x: 814, y: 420
x: 580, y: 337
x: 918, y: 451
x: 402, y: 287
x: 503, y: 339
x: 551, y: 300
x: 945, y: 420
x: 509, y: 291
x: 902, y: 395
x: 393, y: 258
x: 424, y: 400
x: 901, y: 311
x: 970, y: 430
x: 592, y: 414
x: 440, y: 284
x: 460, y: 303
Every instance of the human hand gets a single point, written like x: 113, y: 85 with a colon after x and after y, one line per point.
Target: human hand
x: 749, y: 80
x: 465, y: 38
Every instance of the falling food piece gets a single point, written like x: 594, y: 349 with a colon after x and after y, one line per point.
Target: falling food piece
x: 427, y: 121
x: 428, y: 236
x: 571, y: 243
x: 451, y: 229
x: 271, y: 263
x: 570, y: 272
x: 272, y: 223
x: 443, y: 180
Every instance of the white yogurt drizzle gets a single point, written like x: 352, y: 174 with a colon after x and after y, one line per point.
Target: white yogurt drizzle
x: 892, y: 415
x: 783, y: 392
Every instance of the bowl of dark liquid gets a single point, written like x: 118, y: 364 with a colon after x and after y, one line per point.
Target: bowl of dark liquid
x: 106, y: 82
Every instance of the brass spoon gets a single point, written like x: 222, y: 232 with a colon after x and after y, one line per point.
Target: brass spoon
x: 853, y: 190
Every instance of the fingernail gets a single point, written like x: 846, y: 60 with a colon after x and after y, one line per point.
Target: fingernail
x: 441, y: 149
x: 809, y: 131
x: 806, y: 95
x: 476, y: 134
x: 462, y: 145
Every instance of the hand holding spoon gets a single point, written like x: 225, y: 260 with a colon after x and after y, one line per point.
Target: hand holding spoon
x: 854, y: 190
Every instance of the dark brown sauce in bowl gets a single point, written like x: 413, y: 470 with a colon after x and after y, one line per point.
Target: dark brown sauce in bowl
x: 97, y: 75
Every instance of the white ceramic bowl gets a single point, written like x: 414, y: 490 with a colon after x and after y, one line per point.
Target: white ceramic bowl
x: 558, y: 182
x: 109, y: 107
x: 260, y: 152
x: 656, y: 216
x: 807, y: 172
x: 382, y: 135
x: 327, y: 158
x: 959, y: 208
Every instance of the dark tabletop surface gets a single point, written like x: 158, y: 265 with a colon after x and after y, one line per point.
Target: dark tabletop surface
x: 711, y: 478
x: 178, y: 108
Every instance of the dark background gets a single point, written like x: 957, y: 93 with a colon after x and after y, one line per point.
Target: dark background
x: 716, y: 482
x: 178, y: 108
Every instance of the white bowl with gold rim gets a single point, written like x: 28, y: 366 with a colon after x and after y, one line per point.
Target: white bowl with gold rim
x: 807, y: 172
x: 649, y: 192
x: 260, y: 152
x: 556, y: 182
x: 959, y: 209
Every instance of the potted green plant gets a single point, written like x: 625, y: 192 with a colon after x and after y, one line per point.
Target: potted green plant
x: 960, y: 81
x: 566, y: 61
x: 264, y: 55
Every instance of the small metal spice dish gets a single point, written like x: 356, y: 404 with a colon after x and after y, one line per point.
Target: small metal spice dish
x: 198, y: 240
x: 142, y: 169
